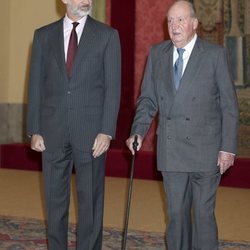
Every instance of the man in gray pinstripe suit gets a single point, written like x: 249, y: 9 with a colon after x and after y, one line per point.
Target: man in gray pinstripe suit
x: 72, y: 118
x: 197, y: 130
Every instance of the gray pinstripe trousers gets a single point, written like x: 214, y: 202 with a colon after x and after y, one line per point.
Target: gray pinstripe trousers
x: 57, y: 170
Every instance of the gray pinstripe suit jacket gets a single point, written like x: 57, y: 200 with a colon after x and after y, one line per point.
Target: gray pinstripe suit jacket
x: 88, y: 102
x: 198, y: 120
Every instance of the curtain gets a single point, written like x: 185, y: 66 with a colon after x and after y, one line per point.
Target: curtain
x: 99, y: 10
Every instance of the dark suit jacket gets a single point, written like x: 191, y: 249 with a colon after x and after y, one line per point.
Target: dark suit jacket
x: 199, y: 119
x: 88, y: 102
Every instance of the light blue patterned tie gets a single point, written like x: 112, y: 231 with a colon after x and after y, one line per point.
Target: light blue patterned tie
x: 178, y: 66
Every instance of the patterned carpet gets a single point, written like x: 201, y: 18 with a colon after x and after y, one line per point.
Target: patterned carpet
x: 30, y: 234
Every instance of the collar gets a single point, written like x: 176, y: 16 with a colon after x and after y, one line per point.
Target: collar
x: 188, y: 48
x: 68, y: 22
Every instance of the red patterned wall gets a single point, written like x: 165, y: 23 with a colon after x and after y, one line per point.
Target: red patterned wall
x: 150, y: 28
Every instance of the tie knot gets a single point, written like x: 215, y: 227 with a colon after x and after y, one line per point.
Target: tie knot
x: 75, y: 24
x: 180, y: 51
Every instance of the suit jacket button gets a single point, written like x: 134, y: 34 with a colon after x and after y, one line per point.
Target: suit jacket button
x: 188, y: 138
x: 187, y: 119
x: 168, y: 118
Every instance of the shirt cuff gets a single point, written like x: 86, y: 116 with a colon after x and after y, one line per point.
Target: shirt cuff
x: 227, y: 153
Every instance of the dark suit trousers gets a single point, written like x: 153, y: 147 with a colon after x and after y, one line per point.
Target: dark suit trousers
x: 57, y: 169
x: 191, y: 195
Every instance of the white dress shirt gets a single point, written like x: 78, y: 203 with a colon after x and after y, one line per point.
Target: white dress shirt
x: 67, y: 28
x: 188, y: 50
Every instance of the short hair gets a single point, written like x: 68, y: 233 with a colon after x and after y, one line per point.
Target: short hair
x: 191, y: 7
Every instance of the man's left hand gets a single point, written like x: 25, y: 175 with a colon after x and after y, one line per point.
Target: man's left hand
x: 101, y: 144
x: 225, y: 161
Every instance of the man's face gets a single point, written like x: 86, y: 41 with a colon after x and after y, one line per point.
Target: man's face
x: 78, y: 8
x: 181, y: 25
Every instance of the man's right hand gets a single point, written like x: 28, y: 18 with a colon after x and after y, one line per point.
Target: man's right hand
x: 130, y: 140
x: 37, y: 143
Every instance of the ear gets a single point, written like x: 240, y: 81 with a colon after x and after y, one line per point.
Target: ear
x: 65, y: 1
x: 195, y: 23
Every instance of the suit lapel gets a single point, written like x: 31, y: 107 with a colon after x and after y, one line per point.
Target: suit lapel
x: 166, y: 75
x: 85, y: 41
x: 166, y: 65
x: 191, y: 68
x: 57, y: 42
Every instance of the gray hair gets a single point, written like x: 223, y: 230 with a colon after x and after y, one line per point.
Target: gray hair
x: 191, y: 7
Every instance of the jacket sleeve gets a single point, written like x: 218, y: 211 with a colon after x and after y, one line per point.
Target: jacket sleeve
x: 228, y: 104
x: 147, y: 106
x: 34, y: 87
x: 112, y: 78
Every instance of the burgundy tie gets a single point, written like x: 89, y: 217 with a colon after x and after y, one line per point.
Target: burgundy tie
x: 72, y: 48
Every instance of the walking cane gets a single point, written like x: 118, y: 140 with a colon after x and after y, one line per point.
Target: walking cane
x: 135, y: 144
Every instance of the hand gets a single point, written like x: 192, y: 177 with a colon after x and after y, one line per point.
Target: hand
x: 37, y: 143
x: 225, y: 161
x: 129, y: 143
x: 101, y: 144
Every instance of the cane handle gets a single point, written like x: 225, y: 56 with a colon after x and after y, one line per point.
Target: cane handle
x: 135, y: 143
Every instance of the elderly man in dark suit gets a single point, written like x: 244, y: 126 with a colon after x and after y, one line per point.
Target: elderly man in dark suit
x: 74, y: 95
x: 187, y: 80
